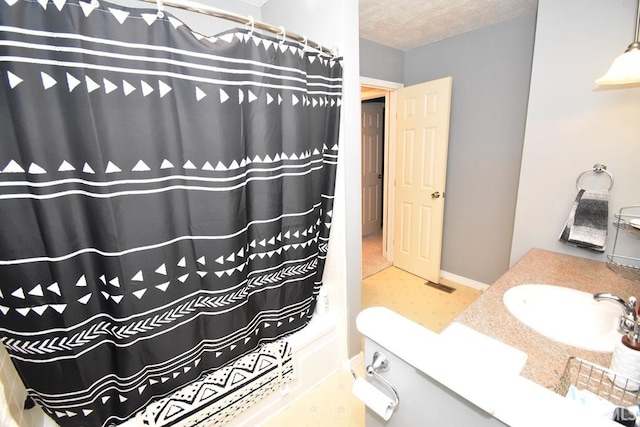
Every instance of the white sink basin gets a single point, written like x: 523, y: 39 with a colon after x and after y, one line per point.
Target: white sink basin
x: 566, y: 315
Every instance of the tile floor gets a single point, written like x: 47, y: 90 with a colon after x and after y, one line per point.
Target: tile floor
x: 331, y: 402
x: 408, y: 295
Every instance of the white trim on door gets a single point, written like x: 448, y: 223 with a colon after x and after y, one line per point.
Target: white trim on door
x: 380, y: 84
x: 389, y: 88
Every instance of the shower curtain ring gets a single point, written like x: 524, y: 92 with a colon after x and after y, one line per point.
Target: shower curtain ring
x: 160, y: 7
x: 251, y: 25
x: 282, y: 33
x: 304, y: 46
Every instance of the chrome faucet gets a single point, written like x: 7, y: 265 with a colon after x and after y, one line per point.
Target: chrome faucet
x: 630, y: 308
x: 628, y: 323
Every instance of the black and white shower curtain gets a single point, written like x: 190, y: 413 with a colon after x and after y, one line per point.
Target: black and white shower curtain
x: 165, y: 199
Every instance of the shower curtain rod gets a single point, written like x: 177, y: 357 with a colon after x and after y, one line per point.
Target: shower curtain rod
x: 219, y: 13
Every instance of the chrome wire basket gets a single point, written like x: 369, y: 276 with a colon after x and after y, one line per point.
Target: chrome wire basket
x: 599, y: 381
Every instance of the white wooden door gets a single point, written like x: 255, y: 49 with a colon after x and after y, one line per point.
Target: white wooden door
x: 421, y: 166
x: 372, y: 142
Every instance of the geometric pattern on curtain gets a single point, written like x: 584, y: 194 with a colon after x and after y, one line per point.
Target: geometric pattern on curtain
x: 219, y: 397
x: 165, y: 200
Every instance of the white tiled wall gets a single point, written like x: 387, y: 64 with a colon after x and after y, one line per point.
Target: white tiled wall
x: 16, y: 394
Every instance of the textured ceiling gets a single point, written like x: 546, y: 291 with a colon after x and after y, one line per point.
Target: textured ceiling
x: 406, y: 24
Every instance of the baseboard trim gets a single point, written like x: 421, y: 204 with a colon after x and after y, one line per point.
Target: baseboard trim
x: 464, y: 281
x: 356, y: 361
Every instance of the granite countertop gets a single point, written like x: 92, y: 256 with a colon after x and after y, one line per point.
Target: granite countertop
x: 546, y: 358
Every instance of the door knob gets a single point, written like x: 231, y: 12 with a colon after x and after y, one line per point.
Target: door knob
x: 379, y: 176
x: 435, y: 194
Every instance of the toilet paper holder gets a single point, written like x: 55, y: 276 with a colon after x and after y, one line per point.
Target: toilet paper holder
x: 380, y: 363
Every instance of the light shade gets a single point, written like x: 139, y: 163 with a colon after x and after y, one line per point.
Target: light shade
x: 624, y: 70
x: 626, y: 67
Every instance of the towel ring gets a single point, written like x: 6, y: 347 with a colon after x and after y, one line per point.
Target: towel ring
x: 597, y: 168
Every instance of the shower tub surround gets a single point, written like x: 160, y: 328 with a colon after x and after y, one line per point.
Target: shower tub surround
x: 547, y: 358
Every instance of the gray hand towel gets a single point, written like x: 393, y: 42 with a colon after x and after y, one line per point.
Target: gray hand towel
x: 587, y: 224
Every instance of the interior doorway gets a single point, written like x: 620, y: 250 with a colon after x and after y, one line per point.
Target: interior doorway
x: 411, y: 163
x: 375, y: 139
x: 373, y: 126
x: 372, y: 165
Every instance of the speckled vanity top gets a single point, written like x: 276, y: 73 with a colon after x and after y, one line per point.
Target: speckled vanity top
x: 547, y: 358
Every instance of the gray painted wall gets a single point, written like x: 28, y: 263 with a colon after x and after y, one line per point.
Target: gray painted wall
x: 491, y: 73
x: 572, y: 124
x: 381, y: 62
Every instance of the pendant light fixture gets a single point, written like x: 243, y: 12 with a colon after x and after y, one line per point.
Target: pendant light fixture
x: 626, y: 67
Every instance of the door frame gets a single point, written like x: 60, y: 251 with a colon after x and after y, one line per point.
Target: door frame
x: 388, y: 90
